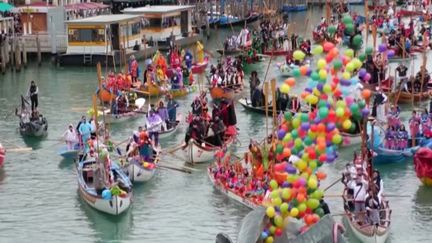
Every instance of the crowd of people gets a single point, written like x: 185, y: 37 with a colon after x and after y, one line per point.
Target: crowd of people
x: 363, y: 195
x: 227, y: 73
x: 211, y: 129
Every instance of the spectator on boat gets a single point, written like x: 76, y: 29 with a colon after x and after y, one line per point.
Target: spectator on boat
x: 421, y: 80
x: 228, y: 114
x: 33, y: 94
x: 134, y: 67
x: 378, y: 110
x: 360, y: 191
x: 93, y: 127
x: 100, y: 178
x: 389, y: 137
x: 196, y: 106
x: 282, y: 100
x: 378, y: 184
x: 254, y: 81
x: 195, y: 131
x: 85, y: 132
x: 163, y: 114
x: 70, y: 137
x: 144, y: 146
x: 172, y: 110
x: 402, y: 75
x: 414, y: 123
x: 136, y: 135
x: 153, y: 124
x: 373, y: 208
x: 218, y: 128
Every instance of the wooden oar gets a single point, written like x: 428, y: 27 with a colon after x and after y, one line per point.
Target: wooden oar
x: 174, y: 168
x: 331, y: 185
x: 173, y: 150
x: 27, y: 149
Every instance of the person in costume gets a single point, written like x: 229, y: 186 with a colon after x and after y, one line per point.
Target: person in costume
x: 70, y: 137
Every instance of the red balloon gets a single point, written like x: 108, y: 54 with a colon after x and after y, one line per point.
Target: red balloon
x: 331, y: 116
x: 329, y: 58
x: 322, y: 158
x: 313, y: 128
x: 278, y: 232
x: 328, y: 46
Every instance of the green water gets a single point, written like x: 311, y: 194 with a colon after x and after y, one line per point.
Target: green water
x: 38, y: 190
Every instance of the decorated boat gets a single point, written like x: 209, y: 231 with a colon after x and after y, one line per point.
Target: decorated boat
x: 423, y: 165
x: 153, y: 90
x: 368, y: 233
x: 2, y: 155
x: 115, y: 200
x: 105, y: 95
x: 70, y: 152
x: 197, y: 68
x: 111, y: 118
x: 251, y: 203
x: 196, y: 152
x: 32, y: 124
x: 278, y: 52
x: 407, y: 97
x: 218, y: 93
x: 140, y: 170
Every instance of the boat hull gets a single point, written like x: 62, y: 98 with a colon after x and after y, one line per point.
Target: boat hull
x: 32, y: 129
x: 195, y: 153
x: 116, y: 206
x: 231, y: 194
x: 120, y: 118
x: 373, y: 235
x: 137, y: 173
x: 423, y: 165
x: 69, y: 153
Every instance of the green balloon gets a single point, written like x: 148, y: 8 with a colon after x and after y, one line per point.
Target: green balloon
x: 279, y: 148
x: 357, y: 40
x: 362, y: 104
x: 304, y: 117
x: 288, y: 116
x: 296, y: 72
x: 347, y: 19
x: 337, y: 64
x: 354, y: 108
x: 349, y: 28
x: 322, y: 103
x: 331, y: 29
x: 323, y: 112
x: 308, y: 141
x: 319, y: 211
x: 294, y: 134
x: 362, y: 57
x: 315, y: 76
x: 369, y: 50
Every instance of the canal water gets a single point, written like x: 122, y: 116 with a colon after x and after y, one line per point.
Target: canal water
x: 39, y: 201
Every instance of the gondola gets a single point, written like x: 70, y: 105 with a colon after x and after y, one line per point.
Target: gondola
x: 196, y: 152
x: 247, y: 104
x: 197, y: 68
x: 169, y: 132
x: 228, y: 93
x: 31, y: 125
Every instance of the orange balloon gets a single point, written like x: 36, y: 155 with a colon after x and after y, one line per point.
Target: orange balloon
x: 321, y: 175
x: 334, y: 52
x: 303, y: 70
x: 291, y: 81
x: 280, y: 177
x: 286, y: 152
x: 301, y: 197
x: 302, y: 190
x: 366, y: 93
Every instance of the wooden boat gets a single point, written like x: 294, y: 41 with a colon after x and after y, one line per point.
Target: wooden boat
x: 253, y: 16
x: 200, y: 153
x: 226, y: 21
x: 299, y: 7
x: 33, y: 127
x: 106, y: 96
x: 260, y: 109
x: 153, y: 90
x: 409, y: 13
x: 168, y: 133
x: 117, y: 204
x: 197, y: 68
x: 2, y: 155
x: 67, y: 153
x: 278, y: 52
x: 402, y: 59
x: 248, y: 202
x: 368, y: 233
x: 406, y: 97
x: 142, y: 171
x: 423, y: 165
x: 232, y: 52
x: 223, y: 93
x: 122, y: 117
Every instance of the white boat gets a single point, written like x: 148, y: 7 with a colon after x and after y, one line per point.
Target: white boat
x: 141, y: 171
x: 123, y: 117
x: 116, y: 204
x: 229, y: 193
x: 196, y: 153
x: 168, y: 133
x: 69, y: 153
x: 285, y: 70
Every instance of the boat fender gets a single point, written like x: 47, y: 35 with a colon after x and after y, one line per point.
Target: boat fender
x: 336, y: 228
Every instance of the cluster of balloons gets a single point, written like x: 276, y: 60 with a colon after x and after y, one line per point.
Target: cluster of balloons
x: 313, y: 138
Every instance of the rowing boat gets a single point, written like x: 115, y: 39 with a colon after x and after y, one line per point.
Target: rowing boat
x: 117, y: 204
x: 122, y: 117
x: 285, y: 70
x: 259, y: 109
x: 248, y: 202
x: 197, y: 68
x: 277, y: 52
x: 106, y: 96
x: 153, y: 90
x: 407, y: 97
x: 69, y: 153
x: 196, y: 152
x: 218, y: 93
x: 169, y: 132
x: 34, y: 127
x: 368, y: 233
x: 142, y: 171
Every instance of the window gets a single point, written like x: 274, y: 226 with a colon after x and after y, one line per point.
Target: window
x: 86, y: 35
x: 136, y: 28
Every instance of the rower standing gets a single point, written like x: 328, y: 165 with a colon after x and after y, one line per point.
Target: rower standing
x: 402, y: 75
x: 33, y: 94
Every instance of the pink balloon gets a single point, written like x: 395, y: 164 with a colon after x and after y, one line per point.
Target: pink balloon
x: 367, y: 77
x: 349, y: 100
